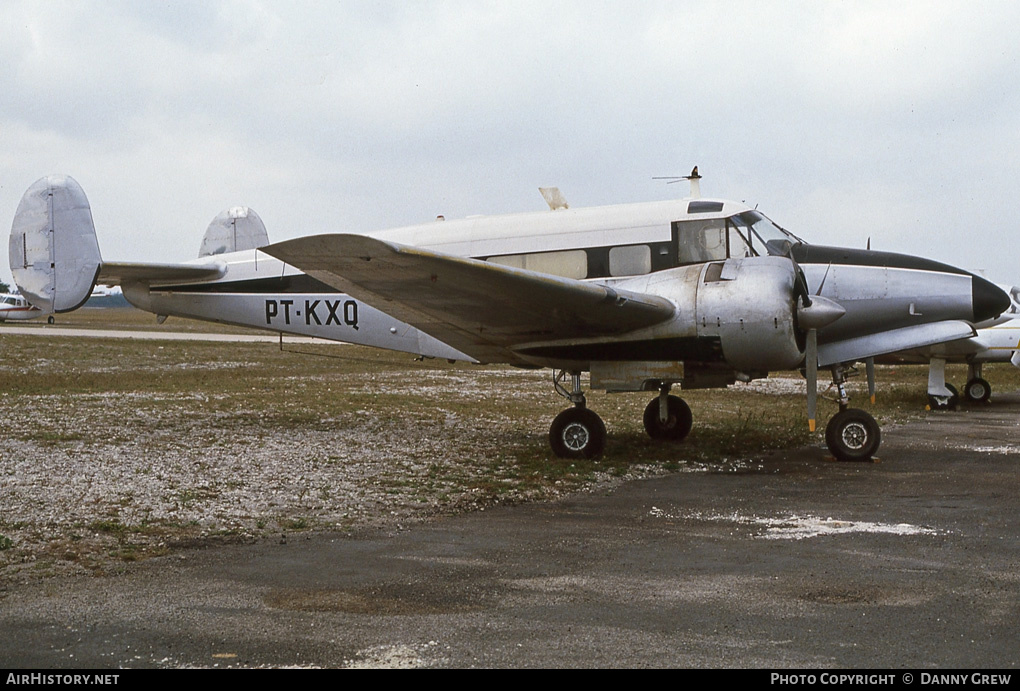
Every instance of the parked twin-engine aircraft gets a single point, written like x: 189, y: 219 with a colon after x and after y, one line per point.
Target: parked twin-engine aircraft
x: 695, y: 292
x: 16, y: 307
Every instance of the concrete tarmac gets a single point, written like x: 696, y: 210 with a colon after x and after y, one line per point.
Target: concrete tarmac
x: 797, y: 561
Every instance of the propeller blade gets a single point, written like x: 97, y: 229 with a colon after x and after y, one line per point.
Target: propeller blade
x: 869, y: 366
x: 811, y: 371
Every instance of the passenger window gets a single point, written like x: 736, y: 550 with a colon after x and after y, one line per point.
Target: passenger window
x: 631, y: 260
x: 569, y: 263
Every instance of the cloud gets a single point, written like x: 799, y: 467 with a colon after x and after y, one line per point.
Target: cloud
x: 843, y: 120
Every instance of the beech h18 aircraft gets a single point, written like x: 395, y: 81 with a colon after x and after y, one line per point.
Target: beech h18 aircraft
x: 695, y: 292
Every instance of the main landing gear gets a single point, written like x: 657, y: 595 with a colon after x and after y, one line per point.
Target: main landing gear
x: 976, y: 390
x: 852, y: 434
x: 576, y: 432
x: 580, y: 433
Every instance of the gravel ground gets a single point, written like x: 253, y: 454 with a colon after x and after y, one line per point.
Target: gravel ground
x: 89, y: 481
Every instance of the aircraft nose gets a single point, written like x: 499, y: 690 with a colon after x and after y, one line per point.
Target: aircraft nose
x: 989, y: 300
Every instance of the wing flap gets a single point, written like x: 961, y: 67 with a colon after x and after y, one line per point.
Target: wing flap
x: 482, y: 309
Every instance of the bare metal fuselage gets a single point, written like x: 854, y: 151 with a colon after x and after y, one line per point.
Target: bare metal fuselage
x: 734, y: 309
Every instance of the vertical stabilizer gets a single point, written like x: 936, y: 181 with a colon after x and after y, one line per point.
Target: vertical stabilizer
x: 54, y: 254
x: 238, y: 228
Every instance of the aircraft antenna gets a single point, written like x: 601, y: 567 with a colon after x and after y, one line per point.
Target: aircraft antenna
x: 693, y: 178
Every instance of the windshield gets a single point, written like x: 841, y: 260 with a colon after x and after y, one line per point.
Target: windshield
x: 762, y: 235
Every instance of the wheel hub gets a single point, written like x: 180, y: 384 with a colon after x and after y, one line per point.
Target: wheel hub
x: 855, y: 436
x: 576, y: 436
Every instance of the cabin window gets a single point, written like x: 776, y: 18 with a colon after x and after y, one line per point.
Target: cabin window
x: 701, y: 241
x: 630, y: 260
x: 709, y: 240
x: 569, y: 263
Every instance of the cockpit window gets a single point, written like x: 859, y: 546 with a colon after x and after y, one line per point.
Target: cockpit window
x: 764, y: 236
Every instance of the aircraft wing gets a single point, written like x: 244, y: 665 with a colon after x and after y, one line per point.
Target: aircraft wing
x: 482, y: 309
x: 896, y: 340
x: 119, y: 273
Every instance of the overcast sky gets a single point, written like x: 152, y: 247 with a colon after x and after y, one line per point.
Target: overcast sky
x: 843, y: 121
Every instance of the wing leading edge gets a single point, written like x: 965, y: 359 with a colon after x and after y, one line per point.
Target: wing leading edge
x: 484, y: 310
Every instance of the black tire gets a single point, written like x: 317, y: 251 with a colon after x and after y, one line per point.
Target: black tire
x: 50, y: 319
x: 677, y: 427
x: 852, y: 435
x: 954, y: 402
x: 977, y: 390
x: 577, y: 433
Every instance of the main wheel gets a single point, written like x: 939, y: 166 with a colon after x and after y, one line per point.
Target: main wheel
x: 852, y: 435
x: 50, y: 319
x: 977, y: 390
x: 577, y: 433
x: 678, y: 424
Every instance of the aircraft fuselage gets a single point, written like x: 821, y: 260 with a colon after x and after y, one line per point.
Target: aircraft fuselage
x: 709, y: 258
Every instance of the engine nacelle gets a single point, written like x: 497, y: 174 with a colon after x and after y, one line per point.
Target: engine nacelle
x: 749, y: 305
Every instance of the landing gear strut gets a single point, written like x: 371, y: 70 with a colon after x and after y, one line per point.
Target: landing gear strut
x: 576, y: 432
x: 852, y: 434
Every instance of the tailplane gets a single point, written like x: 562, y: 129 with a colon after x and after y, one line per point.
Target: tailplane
x: 54, y: 254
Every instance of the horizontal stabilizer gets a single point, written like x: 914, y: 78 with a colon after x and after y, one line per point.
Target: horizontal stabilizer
x: 482, y: 309
x: 885, y: 342
x: 53, y: 251
x: 121, y: 273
